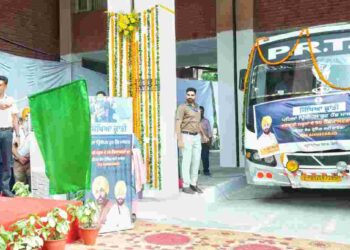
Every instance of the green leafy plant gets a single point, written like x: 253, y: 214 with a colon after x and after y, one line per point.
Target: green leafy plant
x: 21, y: 189
x: 26, y: 235
x: 210, y: 76
x: 5, y: 238
x: 72, y: 211
x: 88, y: 215
x: 55, y: 225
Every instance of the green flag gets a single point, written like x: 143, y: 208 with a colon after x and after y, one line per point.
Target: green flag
x: 61, y: 123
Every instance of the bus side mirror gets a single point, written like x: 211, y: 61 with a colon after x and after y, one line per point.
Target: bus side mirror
x: 242, y: 73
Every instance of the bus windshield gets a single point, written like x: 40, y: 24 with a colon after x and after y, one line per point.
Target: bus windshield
x: 296, y: 78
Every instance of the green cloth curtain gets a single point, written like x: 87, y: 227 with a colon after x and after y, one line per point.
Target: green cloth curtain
x: 61, y: 123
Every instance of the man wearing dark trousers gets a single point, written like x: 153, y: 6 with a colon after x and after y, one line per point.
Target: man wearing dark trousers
x: 8, y: 123
x: 205, y: 124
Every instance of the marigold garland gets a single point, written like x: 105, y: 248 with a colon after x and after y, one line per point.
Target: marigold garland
x: 149, y: 89
x: 115, y: 58
x: 121, y: 56
x: 154, y: 106
x: 113, y: 70
x: 127, y: 23
x: 158, y: 98
x: 137, y: 75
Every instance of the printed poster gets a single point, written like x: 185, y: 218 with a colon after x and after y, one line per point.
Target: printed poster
x: 111, y: 173
x: 307, y: 124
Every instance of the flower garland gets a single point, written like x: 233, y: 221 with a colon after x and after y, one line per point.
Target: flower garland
x: 115, y: 59
x: 158, y: 98
x: 142, y: 139
x: 110, y: 86
x: 149, y: 93
x: 121, y: 50
x: 136, y: 56
x: 145, y: 62
x: 154, y: 105
x: 128, y: 23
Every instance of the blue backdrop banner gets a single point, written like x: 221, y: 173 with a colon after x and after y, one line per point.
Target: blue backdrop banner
x: 308, y: 124
x: 111, y: 174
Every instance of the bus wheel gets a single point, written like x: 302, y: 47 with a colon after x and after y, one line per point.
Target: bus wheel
x: 287, y: 189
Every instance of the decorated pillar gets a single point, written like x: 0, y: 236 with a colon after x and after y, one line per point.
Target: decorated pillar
x: 142, y: 65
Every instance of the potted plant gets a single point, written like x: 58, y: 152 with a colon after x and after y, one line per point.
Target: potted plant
x: 54, y: 228
x: 25, y: 234
x: 88, y: 217
x: 73, y: 234
x: 21, y: 189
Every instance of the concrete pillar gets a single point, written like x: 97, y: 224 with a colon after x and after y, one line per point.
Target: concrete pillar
x: 65, y: 27
x: 230, y: 119
x: 245, y: 40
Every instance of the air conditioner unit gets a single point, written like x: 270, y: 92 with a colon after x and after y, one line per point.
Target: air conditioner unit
x: 83, y: 5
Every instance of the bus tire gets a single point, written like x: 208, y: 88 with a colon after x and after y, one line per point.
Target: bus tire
x: 287, y: 189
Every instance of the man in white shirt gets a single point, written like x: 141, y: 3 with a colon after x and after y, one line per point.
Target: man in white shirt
x: 8, y: 123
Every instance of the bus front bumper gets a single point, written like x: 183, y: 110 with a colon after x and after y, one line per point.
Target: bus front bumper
x: 279, y: 176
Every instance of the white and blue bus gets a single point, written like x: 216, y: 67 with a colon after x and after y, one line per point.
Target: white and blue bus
x: 297, y: 109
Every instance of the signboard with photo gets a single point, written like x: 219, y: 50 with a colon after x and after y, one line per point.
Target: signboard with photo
x: 308, y: 124
x: 111, y: 173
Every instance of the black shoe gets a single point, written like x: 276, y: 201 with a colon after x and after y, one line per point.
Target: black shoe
x: 7, y: 193
x: 188, y: 190
x: 196, y: 189
x: 207, y: 174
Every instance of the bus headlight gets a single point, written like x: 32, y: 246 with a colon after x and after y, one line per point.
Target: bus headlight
x: 292, y: 166
x: 254, y: 157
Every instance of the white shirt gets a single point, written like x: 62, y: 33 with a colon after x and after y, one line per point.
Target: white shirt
x: 24, y: 148
x: 117, y: 219
x: 6, y: 115
x: 268, y: 142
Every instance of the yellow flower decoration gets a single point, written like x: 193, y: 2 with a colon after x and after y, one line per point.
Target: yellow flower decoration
x: 128, y: 23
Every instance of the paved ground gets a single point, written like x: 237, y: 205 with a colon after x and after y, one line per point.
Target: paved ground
x: 310, y: 214
x: 146, y: 235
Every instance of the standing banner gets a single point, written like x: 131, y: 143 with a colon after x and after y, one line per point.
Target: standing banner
x: 306, y: 124
x: 111, y: 174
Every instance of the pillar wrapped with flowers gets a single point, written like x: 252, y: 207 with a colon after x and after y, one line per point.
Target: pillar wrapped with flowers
x: 135, y: 43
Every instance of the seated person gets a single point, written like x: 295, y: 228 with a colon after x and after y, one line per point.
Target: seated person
x: 286, y: 85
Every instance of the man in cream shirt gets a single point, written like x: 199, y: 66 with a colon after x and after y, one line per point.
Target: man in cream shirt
x: 8, y: 123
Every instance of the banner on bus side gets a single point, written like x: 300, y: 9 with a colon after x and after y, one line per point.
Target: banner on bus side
x: 305, y: 124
